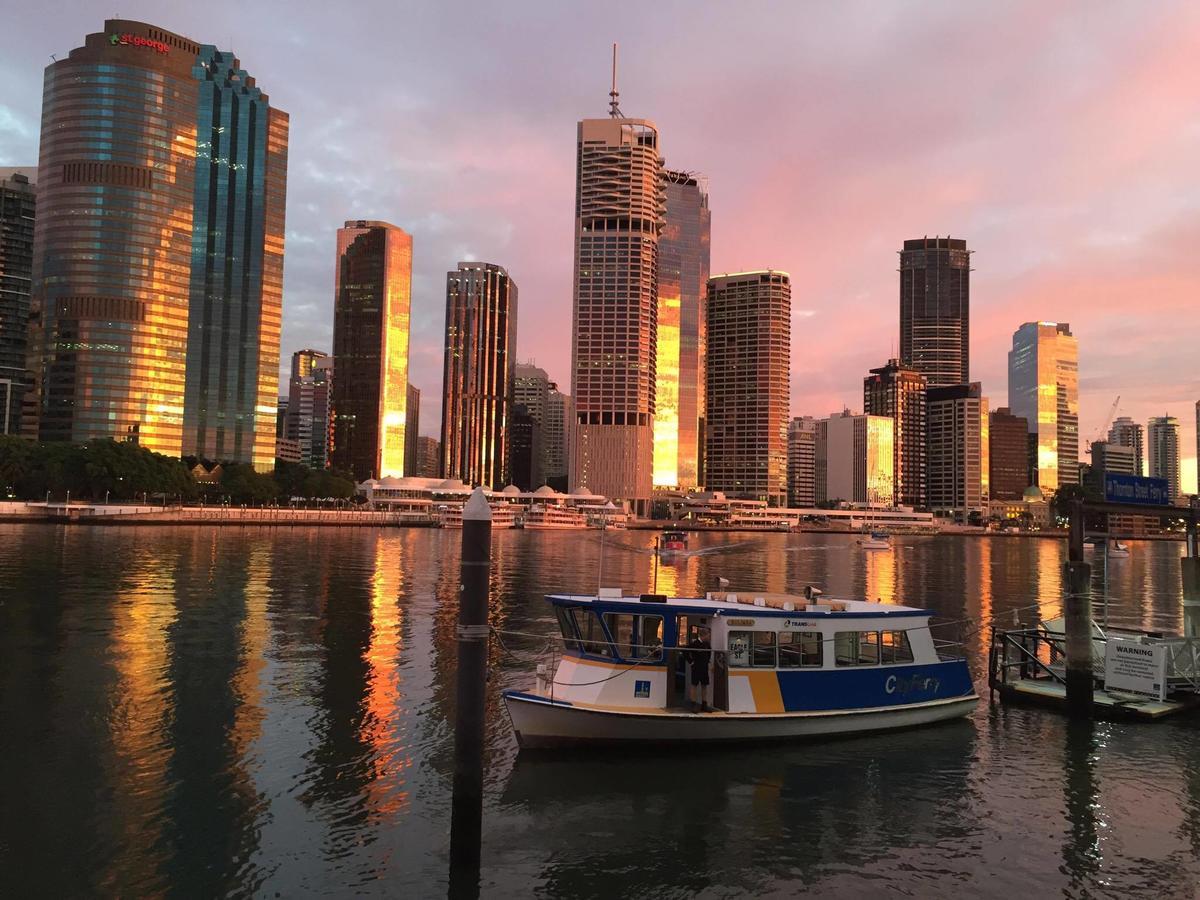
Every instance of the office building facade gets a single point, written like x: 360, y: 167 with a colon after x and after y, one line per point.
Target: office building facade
x: 802, y: 462
x: 1108, y: 457
x: 524, y: 448
x: 478, y: 373
x: 1043, y: 388
x: 855, y: 459
x: 1162, y: 438
x: 412, y: 430
x: 307, y: 415
x: 18, y: 207
x: 619, y: 214
x: 899, y: 393
x: 958, y: 450
x: 1128, y: 433
x: 1008, y: 455
x: 157, y: 279
x: 370, y: 349
x: 935, y: 309
x: 557, y: 428
x: 747, y: 384
x: 683, y: 268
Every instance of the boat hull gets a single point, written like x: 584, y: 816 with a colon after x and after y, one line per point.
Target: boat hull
x: 540, y: 722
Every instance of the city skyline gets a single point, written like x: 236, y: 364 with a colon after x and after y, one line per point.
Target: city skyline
x: 1100, y: 230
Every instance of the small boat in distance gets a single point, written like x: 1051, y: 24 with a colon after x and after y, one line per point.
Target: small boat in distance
x: 673, y: 542
x: 878, y: 540
x: 735, y: 667
x: 1117, y: 550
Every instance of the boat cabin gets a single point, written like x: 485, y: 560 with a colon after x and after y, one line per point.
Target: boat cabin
x: 763, y: 653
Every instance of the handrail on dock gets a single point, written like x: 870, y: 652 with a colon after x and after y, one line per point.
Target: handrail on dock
x: 1028, y: 643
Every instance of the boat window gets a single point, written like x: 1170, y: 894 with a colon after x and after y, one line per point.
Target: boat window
x: 594, y: 640
x: 752, y: 649
x: 567, y: 626
x: 636, y: 637
x: 799, y: 649
x: 739, y: 649
x: 764, y: 649
x: 856, y: 648
x: 895, y: 647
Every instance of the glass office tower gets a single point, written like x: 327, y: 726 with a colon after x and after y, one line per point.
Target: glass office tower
x: 1043, y: 388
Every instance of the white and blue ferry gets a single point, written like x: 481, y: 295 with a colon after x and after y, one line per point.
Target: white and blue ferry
x: 736, y: 667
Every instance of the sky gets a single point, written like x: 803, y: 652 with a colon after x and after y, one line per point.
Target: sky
x: 1060, y: 140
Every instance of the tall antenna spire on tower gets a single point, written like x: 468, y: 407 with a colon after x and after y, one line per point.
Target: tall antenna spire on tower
x: 614, y: 111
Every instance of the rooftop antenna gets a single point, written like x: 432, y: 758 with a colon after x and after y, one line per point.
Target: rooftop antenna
x: 614, y: 111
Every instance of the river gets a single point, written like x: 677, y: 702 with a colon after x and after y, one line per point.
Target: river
x: 201, y: 711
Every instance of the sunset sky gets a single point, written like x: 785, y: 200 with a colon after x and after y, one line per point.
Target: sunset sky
x: 1061, y: 141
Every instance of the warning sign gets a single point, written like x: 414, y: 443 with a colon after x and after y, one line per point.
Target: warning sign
x: 1135, y: 667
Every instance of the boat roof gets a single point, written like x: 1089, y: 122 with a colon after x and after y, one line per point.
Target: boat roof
x: 743, y: 603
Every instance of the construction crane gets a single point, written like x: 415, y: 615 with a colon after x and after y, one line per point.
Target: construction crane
x: 1104, y: 428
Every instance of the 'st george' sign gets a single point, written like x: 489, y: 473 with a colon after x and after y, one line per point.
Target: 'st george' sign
x: 134, y: 40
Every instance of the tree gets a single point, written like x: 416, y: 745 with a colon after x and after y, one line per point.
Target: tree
x: 244, y: 485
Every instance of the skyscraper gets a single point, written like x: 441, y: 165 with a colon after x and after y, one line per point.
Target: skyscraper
x: 157, y: 277
x: 1008, y: 455
x: 935, y: 309
x: 683, y: 254
x: 531, y: 389
x: 802, y: 462
x: 477, y: 382
x: 370, y: 349
x: 524, y: 448
x: 855, y: 459
x: 1043, y: 388
x: 1108, y: 457
x: 308, y: 406
x: 899, y: 393
x: 18, y: 204
x: 957, y: 449
x: 429, y: 457
x: 413, y: 430
x: 749, y: 350
x: 619, y: 211
x: 556, y: 437
x: 1163, y: 438
x: 1128, y: 433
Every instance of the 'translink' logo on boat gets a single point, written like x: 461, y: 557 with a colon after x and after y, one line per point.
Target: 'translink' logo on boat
x: 915, y: 684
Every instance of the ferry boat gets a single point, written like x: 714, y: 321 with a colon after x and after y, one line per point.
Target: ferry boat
x: 450, y: 515
x: 734, y: 668
x: 878, y: 540
x: 673, y: 542
x: 548, y: 516
x: 1117, y: 550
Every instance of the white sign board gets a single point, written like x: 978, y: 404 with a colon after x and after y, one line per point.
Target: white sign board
x: 1135, y: 667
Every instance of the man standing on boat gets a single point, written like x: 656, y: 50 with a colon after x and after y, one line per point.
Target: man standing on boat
x: 699, y: 659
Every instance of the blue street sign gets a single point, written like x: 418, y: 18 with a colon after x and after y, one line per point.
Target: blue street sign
x: 1135, y: 489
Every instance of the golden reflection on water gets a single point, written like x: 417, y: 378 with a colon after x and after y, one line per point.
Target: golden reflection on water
x: 380, y: 725
x: 254, y: 643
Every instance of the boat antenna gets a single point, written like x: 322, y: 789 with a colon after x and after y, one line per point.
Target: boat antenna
x: 614, y: 111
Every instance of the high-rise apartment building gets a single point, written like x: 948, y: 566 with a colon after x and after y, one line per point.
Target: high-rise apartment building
x: 158, y: 272
x: 1043, y: 388
x: 478, y: 375
x: 683, y: 260
x: 1008, y: 455
x: 802, y: 462
x: 620, y: 204
x: 370, y: 349
x: 429, y: 458
x: 855, y: 459
x: 412, y: 431
x: 1128, y: 433
x: 531, y: 389
x: 18, y: 205
x: 1163, y: 438
x: 524, y: 449
x: 747, y: 389
x: 899, y: 393
x: 958, y: 449
x: 1108, y: 457
x: 308, y: 406
x: 557, y: 429
x: 935, y: 309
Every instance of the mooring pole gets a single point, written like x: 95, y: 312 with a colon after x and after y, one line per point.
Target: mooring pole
x: 1078, y: 615
x: 1190, y: 570
x: 466, y: 817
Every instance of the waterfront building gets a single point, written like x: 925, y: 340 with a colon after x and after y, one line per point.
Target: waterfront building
x: 157, y: 153
x: 802, y: 462
x: 899, y: 393
x: 935, y: 309
x: 1043, y: 388
x: 411, y: 433
x: 281, y: 411
x: 524, y: 445
x: 557, y: 429
x: 683, y: 268
x: 429, y: 456
x: 1163, y: 438
x: 478, y: 375
x: 957, y: 448
x: 18, y: 206
x: 370, y: 349
x: 308, y: 406
x: 855, y: 459
x: 1008, y: 455
x: 1128, y: 433
x: 1108, y: 457
x: 619, y: 213
x: 747, y: 388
